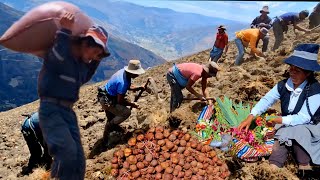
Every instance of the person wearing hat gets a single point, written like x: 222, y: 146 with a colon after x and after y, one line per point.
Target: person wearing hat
x: 69, y: 64
x: 220, y: 44
x: 280, y: 24
x: 184, y: 75
x: 314, y: 18
x: 263, y: 21
x: 249, y: 36
x: 112, y: 96
x: 299, y: 125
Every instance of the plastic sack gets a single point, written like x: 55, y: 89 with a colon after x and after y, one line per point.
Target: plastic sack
x: 35, y: 32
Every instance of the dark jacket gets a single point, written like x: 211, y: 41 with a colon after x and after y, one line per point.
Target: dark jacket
x: 256, y: 22
x: 311, y: 89
x: 62, y: 75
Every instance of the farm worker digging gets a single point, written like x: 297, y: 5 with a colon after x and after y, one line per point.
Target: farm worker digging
x: 70, y: 63
x: 280, y: 24
x: 39, y: 155
x: 184, y: 75
x: 112, y: 96
x: 252, y: 36
x: 220, y: 44
x: 299, y: 126
x: 263, y: 21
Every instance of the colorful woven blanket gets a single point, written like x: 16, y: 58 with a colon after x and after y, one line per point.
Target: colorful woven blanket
x: 240, y: 148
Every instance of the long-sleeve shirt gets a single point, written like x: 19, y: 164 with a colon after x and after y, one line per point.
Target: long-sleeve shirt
x: 62, y: 75
x: 302, y: 117
x: 250, y: 36
x: 258, y: 20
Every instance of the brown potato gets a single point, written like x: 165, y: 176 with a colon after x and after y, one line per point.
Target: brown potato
x: 133, y: 168
x: 149, y: 136
x: 166, y: 133
x: 187, y: 137
x: 159, y: 129
x: 148, y: 157
x: 132, y: 141
x: 159, y: 168
x: 172, y: 137
x: 140, y: 165
x: 154, y: 163
x: 114, y: 172
x: 158, y: 135
x: 132, y: 159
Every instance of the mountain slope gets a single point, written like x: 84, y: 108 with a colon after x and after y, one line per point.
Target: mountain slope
x: 18, y: 76
x: 160, y: 30
x: 248, y: 82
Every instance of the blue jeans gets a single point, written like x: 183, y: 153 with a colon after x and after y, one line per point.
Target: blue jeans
x: 176, y: 92
x: 61, y: 132
x: 240, y: 55
x: 215, y: 53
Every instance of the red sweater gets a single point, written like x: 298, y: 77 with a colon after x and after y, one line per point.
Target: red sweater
x: 221, y: 40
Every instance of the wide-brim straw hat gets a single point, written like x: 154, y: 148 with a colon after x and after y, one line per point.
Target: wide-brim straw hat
x: 134, y: 67
x: 212, y: 68
x: 265, y: 9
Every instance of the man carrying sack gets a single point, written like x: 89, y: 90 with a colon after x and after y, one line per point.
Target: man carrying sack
x: 112, y: 96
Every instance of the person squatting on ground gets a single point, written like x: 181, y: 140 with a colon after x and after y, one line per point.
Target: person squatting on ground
x: 263, y: 21
x: 252, y: 36
x: 220, y: 44
x: 112, y: 96
x: 39, y: 155
x: 70, y: 63
x: 280, y: 25
x: 184, y: 75
x: 298, y: 127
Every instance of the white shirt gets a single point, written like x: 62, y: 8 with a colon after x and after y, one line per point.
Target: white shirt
x: 302, y: 117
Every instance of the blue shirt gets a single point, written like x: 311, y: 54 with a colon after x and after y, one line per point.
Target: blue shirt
x: 290, y: 17
x: 302, y: 117
x: 119, y: 83
x: 62, y: 75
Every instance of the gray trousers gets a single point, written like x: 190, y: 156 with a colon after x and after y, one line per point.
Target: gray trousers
x: 116, y: 114
x: 176, y: 93
x: 265, y: 44
x: 60, y: 130
x: 278, y: 34
x: 280, y: 153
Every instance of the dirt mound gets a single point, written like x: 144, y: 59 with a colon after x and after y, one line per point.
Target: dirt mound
x: 248, y: 82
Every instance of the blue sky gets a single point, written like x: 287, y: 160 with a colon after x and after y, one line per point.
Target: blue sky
x: 244, y: 11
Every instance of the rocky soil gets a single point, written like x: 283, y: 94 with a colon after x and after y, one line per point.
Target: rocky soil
x: 248, y: 83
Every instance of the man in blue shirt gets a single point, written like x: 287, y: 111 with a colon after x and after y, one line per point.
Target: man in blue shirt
x: 112, y: 96
x: 280, y: 25
x: 263, y: 21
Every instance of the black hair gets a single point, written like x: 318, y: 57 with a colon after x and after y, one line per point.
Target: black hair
x: 89, y: 41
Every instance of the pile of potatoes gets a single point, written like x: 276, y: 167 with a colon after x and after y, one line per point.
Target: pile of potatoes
x: 161, y: 154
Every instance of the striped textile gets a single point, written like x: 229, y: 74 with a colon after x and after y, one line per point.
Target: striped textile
x: 205, y: 116
x: 248, y: 153
x: 242, y: 149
